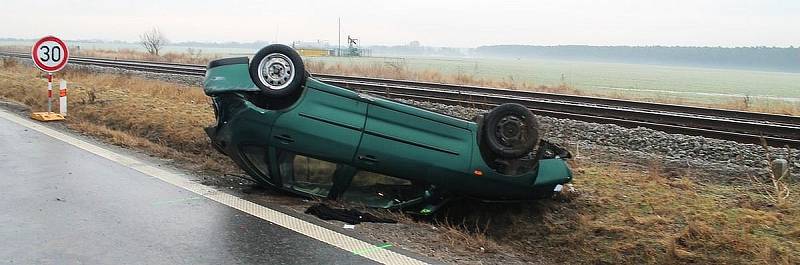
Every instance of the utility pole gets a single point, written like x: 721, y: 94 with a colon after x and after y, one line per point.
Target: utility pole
x: 277, y: 30
x: 339, y: 46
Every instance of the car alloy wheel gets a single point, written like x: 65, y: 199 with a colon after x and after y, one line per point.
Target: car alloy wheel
x: 276, y: 71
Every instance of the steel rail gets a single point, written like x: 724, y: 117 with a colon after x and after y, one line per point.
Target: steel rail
x: 740, y: 126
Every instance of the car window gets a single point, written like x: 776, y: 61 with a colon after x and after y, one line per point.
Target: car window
x: 256, y: 156
x: 306, y: 174
x: 366, y: 178
x: 378, y: 190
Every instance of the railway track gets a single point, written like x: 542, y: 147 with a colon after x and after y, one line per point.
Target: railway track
x: 740, y: 126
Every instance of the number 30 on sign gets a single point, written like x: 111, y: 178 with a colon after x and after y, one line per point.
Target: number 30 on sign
x: 50, y: 54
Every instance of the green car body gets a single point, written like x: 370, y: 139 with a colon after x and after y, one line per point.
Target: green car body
x: 357, y: 132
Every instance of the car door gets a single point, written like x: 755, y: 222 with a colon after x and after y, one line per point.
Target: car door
x: 324, y: 125
x: 412, y: 143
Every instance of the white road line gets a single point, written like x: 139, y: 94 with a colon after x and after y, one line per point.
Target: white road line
x: 328, y: 236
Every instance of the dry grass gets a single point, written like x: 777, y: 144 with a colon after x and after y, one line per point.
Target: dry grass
x: 192, y: 56
x: 776, y: 186
x: 472, y: 238
x: 777, y: 107
x: 633, y: 215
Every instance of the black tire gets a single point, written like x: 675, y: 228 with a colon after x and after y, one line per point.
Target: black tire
x: 289, y: 74
x: 510, y: 131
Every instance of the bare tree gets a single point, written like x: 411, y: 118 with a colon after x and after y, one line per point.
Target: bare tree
x: 153, y: 41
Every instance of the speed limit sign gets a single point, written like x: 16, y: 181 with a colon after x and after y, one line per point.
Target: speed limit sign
x: 50, y: 54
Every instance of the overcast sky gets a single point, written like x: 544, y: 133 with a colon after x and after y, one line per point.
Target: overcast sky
x: 462, y: 23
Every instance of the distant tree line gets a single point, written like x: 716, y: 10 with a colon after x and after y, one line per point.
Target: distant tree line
x: 416, y: 50
x: 758, y: 58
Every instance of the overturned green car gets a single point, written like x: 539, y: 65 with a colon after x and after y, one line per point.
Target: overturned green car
x: 293, y: 132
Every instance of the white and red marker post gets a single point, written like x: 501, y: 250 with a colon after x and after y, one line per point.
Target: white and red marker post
x: 51, y: 54
x: 62, y: 98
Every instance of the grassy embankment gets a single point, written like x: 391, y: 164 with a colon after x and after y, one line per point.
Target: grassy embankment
x: 624, y: 214
x: 621, y: 213
x: 161, y: 118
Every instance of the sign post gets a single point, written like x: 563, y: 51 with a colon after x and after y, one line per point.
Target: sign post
x: 50, y: 54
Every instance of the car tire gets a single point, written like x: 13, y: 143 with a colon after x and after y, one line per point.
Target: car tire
x: 278, y: 71
x: 510, y: 131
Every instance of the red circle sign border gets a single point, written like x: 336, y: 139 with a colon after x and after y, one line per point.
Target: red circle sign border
x: 46, y: 68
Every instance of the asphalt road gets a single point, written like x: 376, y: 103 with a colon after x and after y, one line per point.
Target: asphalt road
x: 60, y: 204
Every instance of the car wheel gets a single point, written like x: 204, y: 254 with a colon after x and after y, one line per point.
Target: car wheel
x: 510, y: 131
x: 278, y: 71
